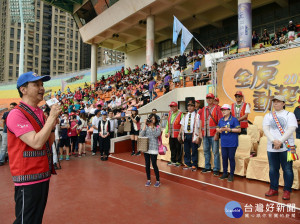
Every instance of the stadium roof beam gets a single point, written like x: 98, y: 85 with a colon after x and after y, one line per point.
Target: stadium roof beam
x: 282, y: 3
x: 65, y: 5
x: 228, y: 4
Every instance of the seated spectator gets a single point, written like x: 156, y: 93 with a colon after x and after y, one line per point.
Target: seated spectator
x: 265, y: 37
x: 255, y: 38
x: 275, y: 41
x: 282, y: 39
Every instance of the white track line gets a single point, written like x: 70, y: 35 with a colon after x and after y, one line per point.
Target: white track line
x: 202, y: 182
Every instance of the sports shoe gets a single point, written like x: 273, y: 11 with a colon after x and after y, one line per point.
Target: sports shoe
x: 61, y: 157
x: 133, y: 154
x: 93, y: 154
x: 224, y: 176
x: 185, y: 167
x: 230, y: 178
x: 138, y: 153
x: 67, y: 158
x: 216, y: 173
x: 106, y: 158
x: 157, y: 184
x: 148, y: 183
x: 102, y: 158
x: 1, y: 163
x: 177, y: 164
x: 286, y: 195
x: 271, y: 192
x: 170, y: 163
x: 206, y: 171
x: 194, y: 168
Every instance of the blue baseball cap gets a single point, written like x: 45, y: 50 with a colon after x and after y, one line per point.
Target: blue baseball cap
x: 104, y: 113
x: 134, y: 109
x: 31, y: 77
x: 123, y: 114
x: 82, y: 111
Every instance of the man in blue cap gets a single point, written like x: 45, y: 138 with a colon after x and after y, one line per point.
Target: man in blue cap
x: 30, y: 137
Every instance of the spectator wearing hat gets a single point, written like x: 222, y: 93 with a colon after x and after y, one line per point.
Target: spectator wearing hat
x: 297, y: 114
x: 190, y: 129
x: 104, y: 139
x: 172, y: 132
x: 228, y: 127
x: 241, y: 110
x: 279, y: 144
x: 135, y: 129
x: 265, y: 37
x: 82, y: 128
x: 29, y: 140
x: 216, y: 101
x: 121, y: 122
x: 210, y: 116
x: 95, y: 123
x: 291, y: 30
x: 198, y: 106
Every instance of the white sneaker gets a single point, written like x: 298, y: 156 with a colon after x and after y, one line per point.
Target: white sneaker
x: 93, y: 154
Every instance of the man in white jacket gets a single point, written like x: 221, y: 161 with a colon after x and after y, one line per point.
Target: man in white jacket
x: 279, y: 142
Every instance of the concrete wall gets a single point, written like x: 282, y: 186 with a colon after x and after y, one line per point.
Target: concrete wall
x: 137, y: 57
x: 177, y: 95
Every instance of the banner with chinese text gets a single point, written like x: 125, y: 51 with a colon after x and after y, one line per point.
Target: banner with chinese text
x: 261, y: 77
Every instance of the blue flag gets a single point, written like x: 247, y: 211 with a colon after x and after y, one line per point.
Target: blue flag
x: 177, y: 26
x: 185, y: 39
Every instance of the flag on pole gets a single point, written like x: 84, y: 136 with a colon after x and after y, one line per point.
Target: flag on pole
x: 177, y: 26
x: 63, y: 85
x: 186, y: 37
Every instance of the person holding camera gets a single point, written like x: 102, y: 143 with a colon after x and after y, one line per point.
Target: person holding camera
x: 152, y: 131
x: 229, y: 129
x: 279, y: 127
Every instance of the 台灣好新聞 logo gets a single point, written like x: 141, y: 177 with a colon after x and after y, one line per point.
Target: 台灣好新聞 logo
x: 233, y: 209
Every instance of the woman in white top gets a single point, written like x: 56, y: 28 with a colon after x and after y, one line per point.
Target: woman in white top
x: 277, y: 149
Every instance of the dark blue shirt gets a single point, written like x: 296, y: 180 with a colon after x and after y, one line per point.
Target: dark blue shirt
x: 63, y: 131
x: 4, y: 118
x: 229, y: 139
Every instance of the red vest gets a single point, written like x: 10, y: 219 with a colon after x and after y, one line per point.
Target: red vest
x: 240, y: 113
x: 27, y: 164
x: 212, y: 125
x: 175, y: 127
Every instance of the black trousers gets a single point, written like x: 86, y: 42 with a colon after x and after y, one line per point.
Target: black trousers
x: 111, y: 134
x: 95, y: 141
x: 104, y: 145
x: 243, y: 131
x: 176, y: 150
x: 154, y: 165
x: 31, y: 201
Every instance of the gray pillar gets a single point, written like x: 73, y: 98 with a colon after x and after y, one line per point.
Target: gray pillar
x: 94, y: 63
x: 150, y: 41
x: 244, y: 24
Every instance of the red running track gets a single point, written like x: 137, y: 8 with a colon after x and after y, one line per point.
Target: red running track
x: 89, y: 191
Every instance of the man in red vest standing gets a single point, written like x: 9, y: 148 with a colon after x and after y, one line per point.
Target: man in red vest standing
x: 210, y: 116
x: 29, y: 148
x: 172, y: 131
x: 241, y: 110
